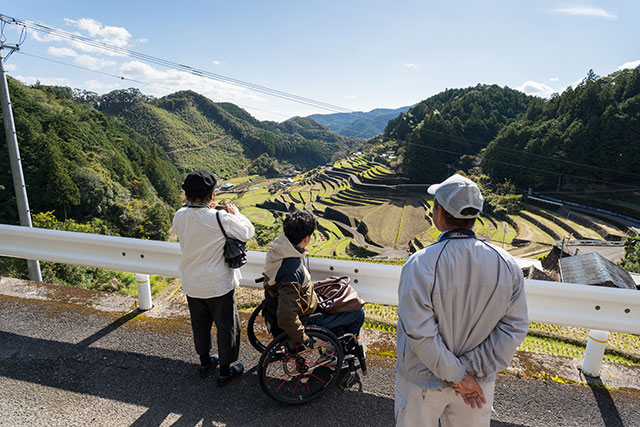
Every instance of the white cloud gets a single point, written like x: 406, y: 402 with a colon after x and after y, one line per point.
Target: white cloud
x: 350, y: 97
x: 142, y: 40
x: 116, y: 36
x: 587, y: 11
x: 46, y: 38
x: 411, y: 65
x: 49, y: 81
x: 553, y: 79
x: 93, y: 62
x: 10, y: 67
x: 174, y: 80
x: 61, y: 51
x: 630, y: 64
x: 80, y: 59
x: 535, y: 88
x: 94, y: 49
x: 214, y: 62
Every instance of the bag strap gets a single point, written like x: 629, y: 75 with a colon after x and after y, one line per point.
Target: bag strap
x: 220, y: 224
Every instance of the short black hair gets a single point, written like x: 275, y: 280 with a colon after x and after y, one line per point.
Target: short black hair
x: 457, y: 222
x: 298, y: 225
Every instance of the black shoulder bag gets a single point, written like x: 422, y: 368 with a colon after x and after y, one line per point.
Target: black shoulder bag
x: 235, y: 251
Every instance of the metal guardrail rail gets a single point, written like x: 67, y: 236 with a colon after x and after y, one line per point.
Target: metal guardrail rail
x: 591, y: 307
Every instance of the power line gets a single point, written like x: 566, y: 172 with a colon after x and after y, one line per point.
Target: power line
x: 123, y: 78
x: 522, y: 166
x: 394, y: 140
x: 277, y: 93
x: 469, y: 141
x: 174, y: 65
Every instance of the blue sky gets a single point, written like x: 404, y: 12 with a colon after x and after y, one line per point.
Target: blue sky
x: 355, y: 54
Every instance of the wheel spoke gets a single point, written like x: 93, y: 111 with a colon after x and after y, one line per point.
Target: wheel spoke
x: 296, y: 386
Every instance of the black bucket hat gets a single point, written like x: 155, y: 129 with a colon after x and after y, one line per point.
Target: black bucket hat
x: 199, y: 183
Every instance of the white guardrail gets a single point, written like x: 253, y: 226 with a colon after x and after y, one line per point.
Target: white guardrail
x: 607, y: 309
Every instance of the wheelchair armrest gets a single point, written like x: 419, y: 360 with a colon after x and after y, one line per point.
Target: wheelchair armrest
x: 259, y: 279
x: 309, y: 317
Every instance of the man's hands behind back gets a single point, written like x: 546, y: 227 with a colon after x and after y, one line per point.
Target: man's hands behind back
x: 470, y: 391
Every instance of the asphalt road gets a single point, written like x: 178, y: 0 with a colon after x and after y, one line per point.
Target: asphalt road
x: 65, y: 363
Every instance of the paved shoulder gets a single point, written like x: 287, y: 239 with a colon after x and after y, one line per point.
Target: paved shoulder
x: 65, y: 363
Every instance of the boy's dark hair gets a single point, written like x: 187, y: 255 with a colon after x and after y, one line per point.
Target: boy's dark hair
x: 298, y: 225
x: 457, y: 222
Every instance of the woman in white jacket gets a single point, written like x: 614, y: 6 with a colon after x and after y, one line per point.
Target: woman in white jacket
x: 207, y: 280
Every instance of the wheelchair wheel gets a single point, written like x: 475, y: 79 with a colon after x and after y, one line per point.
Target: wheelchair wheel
x: 257, y: 332
x: 301, y: 375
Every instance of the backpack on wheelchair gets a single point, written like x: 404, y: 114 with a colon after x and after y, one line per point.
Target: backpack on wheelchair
x: 292, y: 373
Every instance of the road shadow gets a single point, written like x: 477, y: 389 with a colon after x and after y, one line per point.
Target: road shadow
x: 606, y: 405
x: 172, y: 387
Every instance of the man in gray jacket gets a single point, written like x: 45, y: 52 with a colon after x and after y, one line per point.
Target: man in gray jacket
x: 461, y: 315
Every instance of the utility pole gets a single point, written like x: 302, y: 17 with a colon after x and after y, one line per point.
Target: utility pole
x: 16, y: 165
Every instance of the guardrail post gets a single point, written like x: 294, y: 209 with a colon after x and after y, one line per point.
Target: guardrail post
x: 144, y: 292
x: 596, y: 344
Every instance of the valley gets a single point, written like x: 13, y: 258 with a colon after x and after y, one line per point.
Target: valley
x: 364, y: 213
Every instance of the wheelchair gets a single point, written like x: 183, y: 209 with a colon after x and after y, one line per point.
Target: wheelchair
x: 294, y: 374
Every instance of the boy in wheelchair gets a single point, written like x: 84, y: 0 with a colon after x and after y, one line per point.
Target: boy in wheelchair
x: 290, y: 296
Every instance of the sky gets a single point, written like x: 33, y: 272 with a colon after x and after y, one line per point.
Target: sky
x: 358, y: 55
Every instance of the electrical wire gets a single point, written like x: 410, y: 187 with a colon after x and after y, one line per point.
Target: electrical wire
x: 393, y: 140
x: 522, y: 166
x: 281, y: 94
x: 469, y: 141
x: 123, y: 78
x: 266, y: 90
x: 174, y: 65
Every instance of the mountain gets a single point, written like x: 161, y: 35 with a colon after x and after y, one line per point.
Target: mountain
x: 359, y: 124
x: 312, y: 129
x: 119, y: 158
x: 196, y: 132
x: 443, y: 133
x: 582, y: 144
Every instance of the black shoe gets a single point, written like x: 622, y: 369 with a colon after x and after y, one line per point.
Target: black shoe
x: 234, y: 372
x: 205, y: 370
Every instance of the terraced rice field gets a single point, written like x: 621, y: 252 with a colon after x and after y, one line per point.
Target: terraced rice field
x: 258, y: 215
x: 587, y: 233
x: 559, y: 231
x: 383, y: 223
x: 414, y: 221
x: 252, y: 198
x: 602, y: 223
x: 393, y: 222
x: 529, y: 231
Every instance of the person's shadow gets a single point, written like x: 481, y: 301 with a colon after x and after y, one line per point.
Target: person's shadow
x: 170, y: 387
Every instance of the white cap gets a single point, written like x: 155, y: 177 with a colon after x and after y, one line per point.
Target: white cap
x: 457, y: 193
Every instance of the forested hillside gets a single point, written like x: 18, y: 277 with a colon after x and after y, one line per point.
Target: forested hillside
x: 85, y: 166
x: 196, y: 132
x: 582, y: 143
x: 441, y: 133
x: 119, y: 158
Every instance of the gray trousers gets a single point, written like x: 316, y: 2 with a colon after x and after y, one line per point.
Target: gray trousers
x: 223, y: 312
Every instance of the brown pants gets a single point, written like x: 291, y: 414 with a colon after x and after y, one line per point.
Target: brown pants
x: 223, y: 312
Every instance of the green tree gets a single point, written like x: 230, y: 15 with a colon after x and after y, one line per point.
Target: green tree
x: 631, y: 260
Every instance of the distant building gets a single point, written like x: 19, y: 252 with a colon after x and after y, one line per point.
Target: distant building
x: 594, y: 269
x: 227, y: 186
